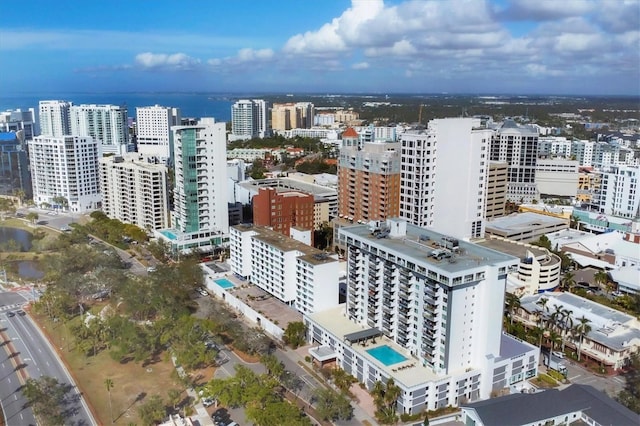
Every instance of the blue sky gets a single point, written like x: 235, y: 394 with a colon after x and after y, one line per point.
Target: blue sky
x: 359, y: 46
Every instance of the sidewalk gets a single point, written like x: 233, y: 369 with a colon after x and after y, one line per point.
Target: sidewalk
x: 360, y: 415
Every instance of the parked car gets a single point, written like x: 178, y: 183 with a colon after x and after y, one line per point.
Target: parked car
x: 208, y: 401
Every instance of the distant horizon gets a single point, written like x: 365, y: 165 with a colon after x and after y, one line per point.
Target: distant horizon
x: 314, y: 93
x: 532, y: 47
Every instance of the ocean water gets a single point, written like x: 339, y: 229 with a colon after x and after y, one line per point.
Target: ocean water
x: 190, y: 104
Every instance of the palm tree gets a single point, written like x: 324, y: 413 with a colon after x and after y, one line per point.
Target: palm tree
x: 567, y: 324
x: 513, y: 304
x: 601, y: 277
x: 556, y: 318
x: 582, y: 328
x: 554, y: 338
x: 568, y: 281
x: 109, y: 385
x: 543, y: 308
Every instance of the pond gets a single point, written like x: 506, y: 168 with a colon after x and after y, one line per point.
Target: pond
x: 19, y: 236
x: 29, y: 269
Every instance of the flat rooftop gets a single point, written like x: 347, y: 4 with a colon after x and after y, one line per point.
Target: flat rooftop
x: 418, y: 244
x: 282, y: 242
x: 513, y: 248
x: 410, y: 372
x: 287, y: 184
x: 521, y: 222
x: 261, y: 301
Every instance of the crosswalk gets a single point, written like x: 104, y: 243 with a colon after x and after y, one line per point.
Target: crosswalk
x: 10, y: 307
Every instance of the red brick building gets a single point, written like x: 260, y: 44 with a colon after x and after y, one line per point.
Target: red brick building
x: 282, y: 210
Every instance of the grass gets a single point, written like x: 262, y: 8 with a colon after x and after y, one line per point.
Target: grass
x: 133, y: 384
x: 545, y: 381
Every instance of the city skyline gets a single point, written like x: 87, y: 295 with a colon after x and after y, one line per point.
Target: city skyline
x: 476, y: 46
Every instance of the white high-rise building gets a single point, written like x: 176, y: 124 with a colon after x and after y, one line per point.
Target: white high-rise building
x: 108, y: 124
x: 65, y: 166
x: 619, y: 194
x: 583, y: 151
x: 201, y: 213
x: 135, y: 191
x: 295, y: 273
x: 443, y: 176
x: 55, y: 118
x: 424, y: 309
x: 153, y: 126
x: 249, y: 119
x: 517, y: 146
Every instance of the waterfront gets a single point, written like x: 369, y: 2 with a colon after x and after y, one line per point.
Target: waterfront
x: 190, y: 104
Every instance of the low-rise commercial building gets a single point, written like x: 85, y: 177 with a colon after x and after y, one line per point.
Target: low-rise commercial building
x: 576, y: 404
x: 613, y: 336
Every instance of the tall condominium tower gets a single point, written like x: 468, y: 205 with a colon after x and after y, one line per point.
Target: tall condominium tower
x: 618, y: 194
x: 497, y: 184
x: 55, y: 118
x: 23, y: 123
x: 425, y: 309
x: 517, y: 146
x: 249, y: 119
x: 153, y: 129
x: 65, y: 166
x: 134, y: 191
x: 108, y: 124
x: 200, y: 195
x: 368, y: 179
x: 443, y: 176
x: 292, y: 116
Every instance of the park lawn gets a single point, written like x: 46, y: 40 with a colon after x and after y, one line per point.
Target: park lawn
x: 133, y: 384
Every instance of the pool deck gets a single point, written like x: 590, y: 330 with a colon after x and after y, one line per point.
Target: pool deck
x: 409, y: 372
x: 261, y: 301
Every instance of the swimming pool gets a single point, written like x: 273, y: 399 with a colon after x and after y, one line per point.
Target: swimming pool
x: 170, y: 235
x: 386, y: 355
x: 224, y: 283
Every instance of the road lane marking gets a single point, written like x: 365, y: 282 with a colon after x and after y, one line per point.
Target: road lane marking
x: 575, y: 377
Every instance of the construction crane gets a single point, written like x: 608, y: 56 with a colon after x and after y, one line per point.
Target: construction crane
x: 420, y: 114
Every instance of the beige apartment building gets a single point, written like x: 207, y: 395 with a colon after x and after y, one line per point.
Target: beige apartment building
x: 497, y: 183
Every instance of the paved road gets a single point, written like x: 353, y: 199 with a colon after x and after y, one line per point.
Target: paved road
x: 611, y: 385
x: 37, y: 358
x: 13, y: 401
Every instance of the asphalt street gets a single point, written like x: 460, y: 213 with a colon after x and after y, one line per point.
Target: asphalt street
x: 35, y: 355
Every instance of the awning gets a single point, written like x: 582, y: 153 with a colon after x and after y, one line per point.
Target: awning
x: 359, y: 336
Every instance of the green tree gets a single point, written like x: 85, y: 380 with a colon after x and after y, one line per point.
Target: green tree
x: 385, y: 398
x: 568, y: 281
x: 152, y: 411
x: 513, y: 304
x: 108, y: 383
x: 582, y: 328
x: 295, y: 334
x: 601, y: 278
x: 32, y: 217
x: 6, y: 207
x: 543, y: 241
x: 174, y: 396
x: 630, y: 395
x: 47, y: 396
x: 331, y: 405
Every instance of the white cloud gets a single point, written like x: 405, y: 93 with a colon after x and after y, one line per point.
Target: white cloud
x: 360, y: 66
x: 249, y: 55
x: 178, y: 61
x: 545, y: 10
